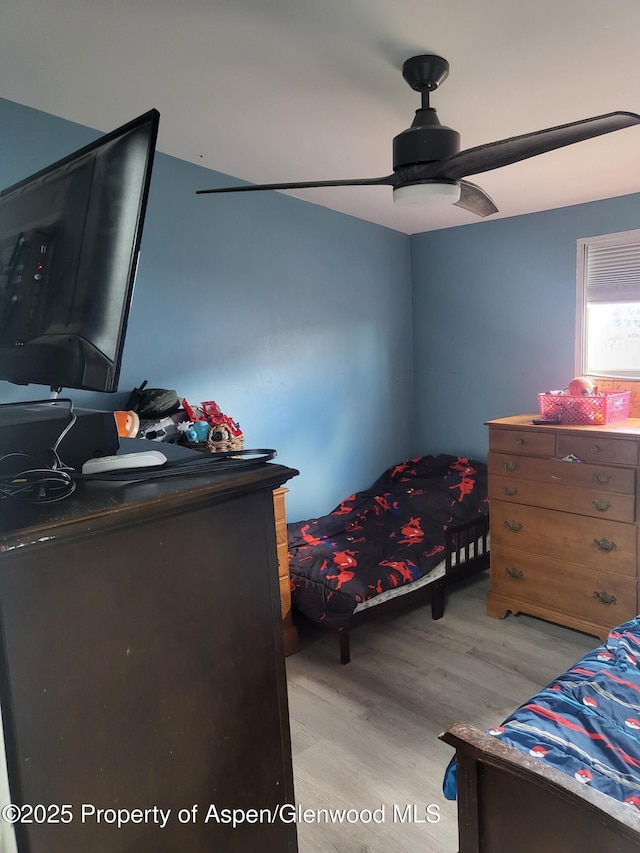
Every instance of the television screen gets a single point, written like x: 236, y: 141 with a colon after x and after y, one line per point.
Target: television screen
x: 69, y: 242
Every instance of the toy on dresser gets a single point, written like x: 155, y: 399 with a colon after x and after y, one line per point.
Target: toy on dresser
x: 209, y: 429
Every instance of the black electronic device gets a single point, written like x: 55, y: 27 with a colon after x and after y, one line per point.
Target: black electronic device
x: 69, y: 243
x: 29, y: 431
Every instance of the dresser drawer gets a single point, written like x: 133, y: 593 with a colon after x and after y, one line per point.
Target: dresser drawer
x: 595, y: 448
x: 282, y: 553
x: 281, y: 533
x: 565, y: 498
x: 605, y: 478
x: 564, y: 588
x: 522, y: 441
x: 280, y: 515
x: 598, y: 543
x: 285, y: 598
x: 289, y: 630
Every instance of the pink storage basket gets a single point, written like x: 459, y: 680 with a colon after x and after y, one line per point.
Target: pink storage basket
x: 607, y: 407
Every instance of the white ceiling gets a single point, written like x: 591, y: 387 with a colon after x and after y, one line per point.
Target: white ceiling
x: 293, y: 90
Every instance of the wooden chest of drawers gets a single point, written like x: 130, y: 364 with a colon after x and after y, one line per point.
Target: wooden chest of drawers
x: 290, y: 632
x: 564, y: 534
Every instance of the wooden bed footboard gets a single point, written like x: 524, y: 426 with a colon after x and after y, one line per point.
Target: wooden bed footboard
x: 466, y: 554
x: 509, y: 801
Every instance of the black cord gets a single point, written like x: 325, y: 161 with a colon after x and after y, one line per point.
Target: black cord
x: 37, y: 485
x: 40, y: 485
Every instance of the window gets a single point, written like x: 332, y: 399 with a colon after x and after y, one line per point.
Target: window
x: 608, y: 306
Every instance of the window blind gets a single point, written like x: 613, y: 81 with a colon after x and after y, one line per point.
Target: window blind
x: 612, y: 268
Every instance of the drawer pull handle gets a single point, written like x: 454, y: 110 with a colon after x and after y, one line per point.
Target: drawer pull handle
x: 511, y: 466
x: 595, y: 449
x: 510, y: 490
x: 519, y: 441
x: 515, y: 574
x: 605, y: 597
x: 601, y: 478
x: 513, y: 526
x: 605, y: 545
x: 601, y: 506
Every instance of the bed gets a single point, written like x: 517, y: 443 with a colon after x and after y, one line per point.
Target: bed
x: 562, y: 773
x: 421, y: 526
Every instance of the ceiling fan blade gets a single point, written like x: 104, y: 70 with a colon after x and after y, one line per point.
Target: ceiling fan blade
x: 301, y: 185
x: 494, y: 155
x: 474, y: 199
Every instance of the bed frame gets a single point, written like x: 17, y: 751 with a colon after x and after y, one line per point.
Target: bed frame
x: 509, y: 801
x: 466, y: 554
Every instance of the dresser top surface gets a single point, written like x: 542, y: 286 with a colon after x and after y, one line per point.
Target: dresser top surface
x: 629, y: 428
x: 119, y: 500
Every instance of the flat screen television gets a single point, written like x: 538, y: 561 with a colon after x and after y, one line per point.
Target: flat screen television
x: 69, y: 243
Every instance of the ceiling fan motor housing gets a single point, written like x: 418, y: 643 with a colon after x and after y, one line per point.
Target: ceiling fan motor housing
x: 426, y: 141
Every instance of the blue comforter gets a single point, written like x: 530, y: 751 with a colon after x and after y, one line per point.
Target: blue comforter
x: 586, y: 723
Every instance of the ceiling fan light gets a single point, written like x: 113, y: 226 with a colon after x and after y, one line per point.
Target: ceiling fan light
x: 431, y: 192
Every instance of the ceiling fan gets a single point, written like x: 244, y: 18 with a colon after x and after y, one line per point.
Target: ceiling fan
x: 427, y: 160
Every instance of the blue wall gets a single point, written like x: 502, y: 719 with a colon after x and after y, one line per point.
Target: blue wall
x: 294, y: 318
x: 494, y: 317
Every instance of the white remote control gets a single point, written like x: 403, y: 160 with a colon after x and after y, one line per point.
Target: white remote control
x: 124, y: 461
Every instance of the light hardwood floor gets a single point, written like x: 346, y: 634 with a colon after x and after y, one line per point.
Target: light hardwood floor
x: 365, y: 735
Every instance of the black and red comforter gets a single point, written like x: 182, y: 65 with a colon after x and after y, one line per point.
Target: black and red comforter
x: 383, y: 537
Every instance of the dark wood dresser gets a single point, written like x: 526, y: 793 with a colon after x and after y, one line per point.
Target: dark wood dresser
x: 143, y: 666
x: 564, y: 534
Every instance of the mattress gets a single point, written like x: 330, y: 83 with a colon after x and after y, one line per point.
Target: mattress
x: 434, y: 575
